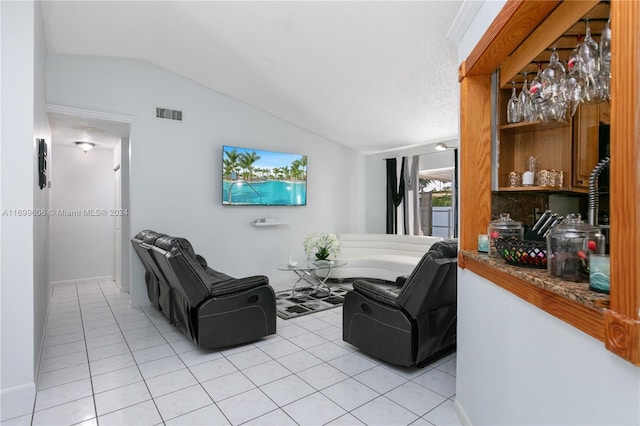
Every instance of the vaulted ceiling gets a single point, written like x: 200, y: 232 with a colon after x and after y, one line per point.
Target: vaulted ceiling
x: 373, y: 76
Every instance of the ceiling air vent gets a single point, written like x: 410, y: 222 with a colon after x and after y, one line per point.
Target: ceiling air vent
x: 169, y: 114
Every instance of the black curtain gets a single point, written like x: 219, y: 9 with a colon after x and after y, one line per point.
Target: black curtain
x: 395, y: 194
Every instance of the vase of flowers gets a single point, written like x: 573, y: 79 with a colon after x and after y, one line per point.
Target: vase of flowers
x: 321, y: 245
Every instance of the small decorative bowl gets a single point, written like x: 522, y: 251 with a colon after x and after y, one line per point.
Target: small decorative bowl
x: 531, y: 254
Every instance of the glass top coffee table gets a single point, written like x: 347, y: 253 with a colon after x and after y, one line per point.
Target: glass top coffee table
x: 307, y: 271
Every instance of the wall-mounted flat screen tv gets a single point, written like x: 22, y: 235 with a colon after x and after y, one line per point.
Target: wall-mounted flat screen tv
x: 255, y: 177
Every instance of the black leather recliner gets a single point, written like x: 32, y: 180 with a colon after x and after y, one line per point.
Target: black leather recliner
x: 158, y: 288
x: 410, y: 322
x: 212, y: 308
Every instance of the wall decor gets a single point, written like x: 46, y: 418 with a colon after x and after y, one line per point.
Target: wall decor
x: 42, y: 163
x: 256, y: 177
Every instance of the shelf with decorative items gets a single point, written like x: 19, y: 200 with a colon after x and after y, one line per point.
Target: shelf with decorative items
x: 562, y: 100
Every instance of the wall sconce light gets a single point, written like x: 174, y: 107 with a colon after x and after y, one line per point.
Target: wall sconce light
x: 439, y: 147
x: 85, y: 146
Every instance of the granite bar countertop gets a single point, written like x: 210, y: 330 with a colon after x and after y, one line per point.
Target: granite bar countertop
x: 578, y: 292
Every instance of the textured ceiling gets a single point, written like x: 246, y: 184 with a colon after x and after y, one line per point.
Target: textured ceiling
x: 373, y: 76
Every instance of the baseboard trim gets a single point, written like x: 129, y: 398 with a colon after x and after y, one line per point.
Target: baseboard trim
x: 462, y: 415
x: 17, y: 401
x: 80, y: 281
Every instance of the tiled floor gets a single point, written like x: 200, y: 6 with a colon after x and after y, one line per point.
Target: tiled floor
x: 109, y: 364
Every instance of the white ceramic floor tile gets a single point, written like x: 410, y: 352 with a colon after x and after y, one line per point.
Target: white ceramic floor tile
x: 63, y: 338
x: 182, y: 345
x: 438, y: 381
x: 330, y: 333
x: 287, y: 390
x: 346, y: 420
x: 350, y: 394
x: 415, y: 398
x: 291, y: 331
x: 117, y: 399
x: 56, y: 331
x: 151, y: 354
x: 248, y: 358
x: 205, y: 416
x: 308, y: 340
x: 315, y: 325
x: 18, y: 421
x: 63, y: 349
x: 384, y: 412
x: 273, y: 418
x: 299, y: 361
x: 170, y: 382
x: 246, y: 406
x: 322, y: 376
x: 132, y: 325
x: 408, y: 373
x: 265, y: 373
x: 112, y: 363
x: 161, y: 366
x: 63, y: 376
x: 116, y: 379
x: 352, y: 364
x: 140, y: 333
x: 108, y: 351
x: 227, y: 386
x: 328, y: 351
x: 97, y: 333
x: 62, y: 361
x: 212, y: 369
x: 280, y: 348
x: 380, y: 379
x: 314, y: 409
x: 198, y: 356
x: 109, y: 339
x: 147, y: 342
x: 141, y: 414
x: 182, y: 402
x: 443, y: 415
x: 449, y: 366
x: 267, y: 340
x: 66, y: 414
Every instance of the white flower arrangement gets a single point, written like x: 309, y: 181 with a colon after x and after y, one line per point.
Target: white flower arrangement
x: 321, y: 244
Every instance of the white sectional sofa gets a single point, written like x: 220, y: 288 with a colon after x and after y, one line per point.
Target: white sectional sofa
x: 381, y: 256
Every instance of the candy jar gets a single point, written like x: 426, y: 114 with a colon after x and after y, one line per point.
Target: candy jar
x: 503, y: 227
x: 569, y: 245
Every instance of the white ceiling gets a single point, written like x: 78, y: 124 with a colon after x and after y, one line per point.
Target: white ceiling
x: 373, y: 76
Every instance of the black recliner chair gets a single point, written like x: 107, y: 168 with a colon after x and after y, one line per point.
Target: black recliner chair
x: 158, y: 288
x: 214, y: 309
x: 410, y: 322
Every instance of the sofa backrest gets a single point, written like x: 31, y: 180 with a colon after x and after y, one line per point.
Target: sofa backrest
x: 141, y: 244
x: 354, y: 244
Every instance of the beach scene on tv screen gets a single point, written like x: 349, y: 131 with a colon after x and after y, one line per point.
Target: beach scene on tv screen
x: 265, y: 178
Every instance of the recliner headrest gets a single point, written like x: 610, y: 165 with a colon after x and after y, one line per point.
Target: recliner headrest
x: 150, y: 237
x: 446, y: 248
x: 170, y: 243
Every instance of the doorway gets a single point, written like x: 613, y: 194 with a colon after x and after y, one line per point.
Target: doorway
x: 89, y: 224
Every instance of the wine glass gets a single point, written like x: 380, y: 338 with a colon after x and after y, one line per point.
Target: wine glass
x: 513, y: 110
x: 552, y: 82
x: 589, y: 53
x: 524, y: 101
x: 537, y: 99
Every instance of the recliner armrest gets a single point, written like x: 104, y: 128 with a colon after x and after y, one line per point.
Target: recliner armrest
x: 386, y: 293
x: 233, y: 285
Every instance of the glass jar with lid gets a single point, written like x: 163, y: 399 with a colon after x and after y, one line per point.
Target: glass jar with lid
x: 503, y: 227
x: 569, y: 245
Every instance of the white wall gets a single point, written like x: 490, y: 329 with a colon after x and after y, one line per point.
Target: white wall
x: 82, y: 240
x: 175, y: 182
x: 23, y: 269
x: 519, y: 365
